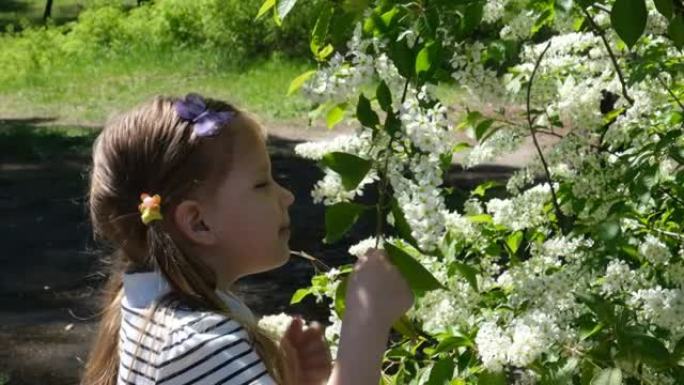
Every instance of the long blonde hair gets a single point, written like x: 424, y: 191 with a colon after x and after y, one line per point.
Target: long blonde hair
x: 150, y: 149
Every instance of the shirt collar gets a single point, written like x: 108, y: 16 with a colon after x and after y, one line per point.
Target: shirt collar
x: 142, y: 288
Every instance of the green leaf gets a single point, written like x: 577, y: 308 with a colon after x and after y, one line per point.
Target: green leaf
x: 513, y: 241
x: 389, y: 17
x: 482, y: 188
x: 403, y: 58
x: 392, y: 123
x: 418, y: 277
x: 461, y: 147
x: 365, y: 114
x: 678, y: 352
x: 490, y: 378
x: 320, y: 30
x: 629, y: 19
x: 665, y: 7
x: 339, y: 218
x: 472, y: 17
x: 648, y: 350
x: 676, y: 31
x: 603, y: 309
x: 300, y: 294
x: 340, y: 296
x: 325, y: 52
x: 482, y: 128
x: 351, y: 168
x: 588, y: 333
x: 481, y: 218
x: 441, y: 372
x: 406, y: 327
x: 609, y: 230
x: 452, y: 342
x: 335, y: 115
x: 609, y: 376
x: 265, y: 7
x: 384, y: 96
x: 427, y: 59
x: 299, y: 81
x: 401, y: 224
x: 488, y: 134
x: 284, y: 7
x: 466, y: 271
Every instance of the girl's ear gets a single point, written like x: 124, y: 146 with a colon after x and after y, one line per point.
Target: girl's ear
x: 190, y: 223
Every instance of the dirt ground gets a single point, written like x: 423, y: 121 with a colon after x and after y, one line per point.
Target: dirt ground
x: 50, y: 272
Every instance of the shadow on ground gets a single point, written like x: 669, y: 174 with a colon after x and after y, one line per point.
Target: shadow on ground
x: 51, y: 275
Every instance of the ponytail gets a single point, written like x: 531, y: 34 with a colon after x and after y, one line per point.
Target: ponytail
x: 102, y: 367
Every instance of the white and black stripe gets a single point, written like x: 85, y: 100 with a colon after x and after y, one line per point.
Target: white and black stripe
x: 186, y: 348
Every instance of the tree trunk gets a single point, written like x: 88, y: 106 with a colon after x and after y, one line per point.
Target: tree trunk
x: 48, y: 10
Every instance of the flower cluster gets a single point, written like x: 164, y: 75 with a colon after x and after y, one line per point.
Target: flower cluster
x: 275, y: 324
x: 662, y: 307
x: 522, y: 211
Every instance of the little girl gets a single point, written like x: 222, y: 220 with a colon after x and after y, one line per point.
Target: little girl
x: 182, y: 189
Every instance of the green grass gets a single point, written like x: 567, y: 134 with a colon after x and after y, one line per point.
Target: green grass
x: 88, y: 93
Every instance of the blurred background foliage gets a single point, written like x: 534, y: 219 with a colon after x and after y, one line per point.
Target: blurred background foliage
x: 92, y: 57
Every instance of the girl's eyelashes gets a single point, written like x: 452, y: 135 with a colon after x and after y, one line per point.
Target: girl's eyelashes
x: 262, y: 184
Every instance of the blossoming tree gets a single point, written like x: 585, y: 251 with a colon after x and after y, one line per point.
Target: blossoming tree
x: 577, y: 276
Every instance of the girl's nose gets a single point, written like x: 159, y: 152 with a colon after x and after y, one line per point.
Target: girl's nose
x: 288, y: 197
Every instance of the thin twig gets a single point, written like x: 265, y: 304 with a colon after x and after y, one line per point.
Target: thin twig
x: 669, y: 233
x: 601, y: 34
x: 559, y: 213
x: 601, y: 8
x: 669, y: 90
x: 309, y: 258
x: 550, y: 133
x: 666, y: 192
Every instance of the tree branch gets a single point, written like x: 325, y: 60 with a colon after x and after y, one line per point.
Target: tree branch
x: 601, y: 34
x: 559, y: 213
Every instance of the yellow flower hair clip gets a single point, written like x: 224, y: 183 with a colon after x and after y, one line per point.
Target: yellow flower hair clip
x: 150, y: 208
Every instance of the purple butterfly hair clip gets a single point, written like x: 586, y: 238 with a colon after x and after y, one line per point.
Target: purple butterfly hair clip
x: 207, y: 123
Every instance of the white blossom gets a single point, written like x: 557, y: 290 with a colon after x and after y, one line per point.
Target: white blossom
x: 654, y: 250
x: 276, y: 324
x: 492, y: 345
x: 663, y: 307
x: 522, y: 211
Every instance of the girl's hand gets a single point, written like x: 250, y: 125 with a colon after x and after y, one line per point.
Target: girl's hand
x: 309, y: 351
x: 377, y: 294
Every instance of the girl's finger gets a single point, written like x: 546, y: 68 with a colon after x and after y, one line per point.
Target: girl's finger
x: 316, y: 362
x: 314, y: 348
x: 294, y: 331
x: 314, y: 332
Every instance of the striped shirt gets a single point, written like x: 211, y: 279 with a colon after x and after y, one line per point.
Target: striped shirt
x: 181, y: 346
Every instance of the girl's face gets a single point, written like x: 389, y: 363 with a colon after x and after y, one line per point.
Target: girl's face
x: 248, y: 213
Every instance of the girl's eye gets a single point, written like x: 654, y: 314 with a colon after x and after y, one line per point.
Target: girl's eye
x: 262, y: 185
